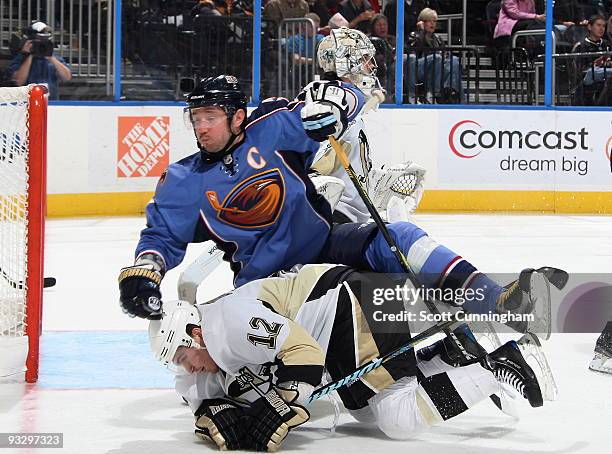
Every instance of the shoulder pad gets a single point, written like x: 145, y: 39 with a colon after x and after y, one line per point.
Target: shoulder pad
x: 268, y: 105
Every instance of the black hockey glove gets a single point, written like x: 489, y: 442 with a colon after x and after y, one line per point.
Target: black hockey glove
x: 139, y: 288
x: 272, y: 417
x: 222, y: 422
x: 326, y: 111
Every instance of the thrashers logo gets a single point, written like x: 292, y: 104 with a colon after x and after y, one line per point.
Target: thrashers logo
x: 254, y: 202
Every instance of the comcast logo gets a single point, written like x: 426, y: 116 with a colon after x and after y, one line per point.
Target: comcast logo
x: 457, y: 139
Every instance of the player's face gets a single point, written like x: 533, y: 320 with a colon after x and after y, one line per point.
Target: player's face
x: 211, y: 127
x: 195, y: 360
x: 368, y: 65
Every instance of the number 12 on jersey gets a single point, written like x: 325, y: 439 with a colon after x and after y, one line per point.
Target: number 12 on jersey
x: 272, y: 329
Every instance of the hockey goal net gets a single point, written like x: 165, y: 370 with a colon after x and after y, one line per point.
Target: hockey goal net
x: 23, y: 132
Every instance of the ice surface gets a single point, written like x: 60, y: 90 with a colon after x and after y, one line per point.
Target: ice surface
x: 99, y: 386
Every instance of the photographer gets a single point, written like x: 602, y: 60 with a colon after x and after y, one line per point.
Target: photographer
x: 36, y: 63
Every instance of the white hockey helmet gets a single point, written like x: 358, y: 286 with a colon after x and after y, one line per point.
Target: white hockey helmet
x: 169, y: 333
x: 350, y: 54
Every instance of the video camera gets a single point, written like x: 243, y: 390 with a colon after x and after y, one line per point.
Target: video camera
x: 42, y: 47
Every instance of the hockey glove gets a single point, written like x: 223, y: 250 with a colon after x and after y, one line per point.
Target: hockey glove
x: 325, y: 112
x: 272, y: 417
x: 222, y: 422
x: 139, y: 293
x: 401, y: 181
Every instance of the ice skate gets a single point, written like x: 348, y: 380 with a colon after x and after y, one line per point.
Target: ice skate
x: 529, y: 294
x: 511, y: 370
x: 602, y: 361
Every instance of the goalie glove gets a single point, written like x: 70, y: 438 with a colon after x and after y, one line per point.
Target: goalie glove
x: 401, y: 181
x: 326, y: 110
x: 272, y: 416
x: 222, y: 422
x: 139, y: 293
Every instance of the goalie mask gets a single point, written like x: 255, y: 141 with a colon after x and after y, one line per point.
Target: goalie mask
x: 349, y: 54
x: 169, y: 333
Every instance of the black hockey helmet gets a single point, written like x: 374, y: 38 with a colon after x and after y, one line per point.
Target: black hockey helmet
x: 223, y: 91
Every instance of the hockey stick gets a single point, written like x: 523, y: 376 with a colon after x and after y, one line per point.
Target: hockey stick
x: 197, y: 271
x: 248, y: 376
x: 377, y: 362
x: 401, y: 258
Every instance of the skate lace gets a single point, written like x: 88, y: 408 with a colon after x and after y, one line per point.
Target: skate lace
x: 505, y: 295
x: 509, y: 377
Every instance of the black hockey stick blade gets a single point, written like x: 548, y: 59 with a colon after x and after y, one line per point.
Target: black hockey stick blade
x: 555, y: 276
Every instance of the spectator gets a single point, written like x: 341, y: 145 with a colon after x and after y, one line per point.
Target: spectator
x: 301, y: 45
x: 358, y: 13
x: 385, y: 52
x: 210, y: 8
x: 439, y: 72
x: 516, y: 15
x: 379, y: 28
x: 37, y: 63
x: 277, y: 10
x: 594, y: 69
x: 412, y: 8
x: 338, y: 21
x: 325, y: 9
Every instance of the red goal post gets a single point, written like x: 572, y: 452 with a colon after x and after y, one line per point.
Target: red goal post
x: 23, y: 143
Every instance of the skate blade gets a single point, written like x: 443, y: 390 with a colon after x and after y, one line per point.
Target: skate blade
x: 539, y: 292
x: 601, y: 363
x: 506, y: 400
x: 531, y: 348
x: 485, y: 335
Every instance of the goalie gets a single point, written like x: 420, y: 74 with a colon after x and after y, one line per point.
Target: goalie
x: 285, y: 330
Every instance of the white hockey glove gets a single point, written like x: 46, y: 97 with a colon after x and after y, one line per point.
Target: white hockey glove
x: 401, y: 184
x: 329, y: 187
x: 326, y: 110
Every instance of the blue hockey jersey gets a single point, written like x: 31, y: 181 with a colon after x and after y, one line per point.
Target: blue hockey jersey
x: 261, y: 208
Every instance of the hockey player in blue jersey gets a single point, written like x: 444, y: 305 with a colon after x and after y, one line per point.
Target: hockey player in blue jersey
x: 247, y: 189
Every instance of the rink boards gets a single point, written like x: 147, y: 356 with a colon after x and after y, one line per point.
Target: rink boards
x: 105, y: 160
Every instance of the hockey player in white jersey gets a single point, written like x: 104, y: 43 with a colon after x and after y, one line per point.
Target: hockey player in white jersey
x: 346, y: 57
x: 286, y: 330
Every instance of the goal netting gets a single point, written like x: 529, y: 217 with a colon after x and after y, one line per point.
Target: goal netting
x: 22, y: 196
